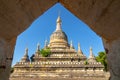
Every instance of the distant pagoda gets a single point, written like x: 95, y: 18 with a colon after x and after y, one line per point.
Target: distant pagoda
x: 64, y: 62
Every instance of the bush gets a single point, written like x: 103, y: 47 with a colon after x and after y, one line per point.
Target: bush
x: 45, y: 52
x: 86, y: 62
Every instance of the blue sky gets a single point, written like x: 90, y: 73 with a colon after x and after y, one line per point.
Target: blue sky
x: 44, y: 25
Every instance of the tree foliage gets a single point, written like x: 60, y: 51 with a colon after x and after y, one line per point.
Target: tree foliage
x: 86, y: 62
x: 45, y: 52
x: 102, y: 58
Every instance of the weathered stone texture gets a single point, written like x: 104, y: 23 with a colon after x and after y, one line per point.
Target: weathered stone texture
x: 17, y: 15
x: 6, y: 56
x: 101, y: 15
x: 113, y: 57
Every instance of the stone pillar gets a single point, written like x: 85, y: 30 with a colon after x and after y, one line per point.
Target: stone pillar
x: 6, y: 56
x: 113, y: 56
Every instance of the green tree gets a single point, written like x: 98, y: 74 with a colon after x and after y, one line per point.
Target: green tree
x: 86, y: 62
x: 45, y: 52
x: 103, y: 59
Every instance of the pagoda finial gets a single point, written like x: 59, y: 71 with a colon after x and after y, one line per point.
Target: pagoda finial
x: 91, y: 53
x: 91, y: 56
x: 59, y: 20
x: 71, y: 44
x: 80, y: 53
x: 26, y: 51
x: 38, y: 47
x: 79, y: 49
x: 25, y: 57
x: 46, y: 43
x: 58, y: 25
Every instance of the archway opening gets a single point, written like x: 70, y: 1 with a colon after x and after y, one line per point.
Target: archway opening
x: 41, y: 29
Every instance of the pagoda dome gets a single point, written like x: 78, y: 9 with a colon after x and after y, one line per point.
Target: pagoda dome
x: 58, y: 37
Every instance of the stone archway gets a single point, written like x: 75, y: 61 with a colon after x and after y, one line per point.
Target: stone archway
x: 102, y: 17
